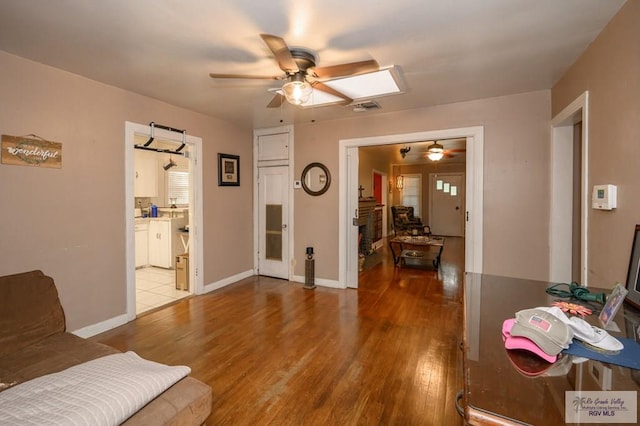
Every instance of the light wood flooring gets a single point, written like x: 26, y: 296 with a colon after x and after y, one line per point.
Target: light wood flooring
x: 277, y: 354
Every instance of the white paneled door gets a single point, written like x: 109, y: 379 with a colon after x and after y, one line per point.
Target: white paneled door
x: 273, y: 208
x: 446, y: 204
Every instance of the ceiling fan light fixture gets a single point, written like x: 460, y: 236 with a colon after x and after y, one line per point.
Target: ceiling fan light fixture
x: 435, y: 152
x: 297, y: 90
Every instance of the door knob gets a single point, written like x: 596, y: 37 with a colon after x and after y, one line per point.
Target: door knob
x: 284, y: 226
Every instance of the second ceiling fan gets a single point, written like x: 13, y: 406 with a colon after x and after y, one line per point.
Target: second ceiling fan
x: 301, y: 73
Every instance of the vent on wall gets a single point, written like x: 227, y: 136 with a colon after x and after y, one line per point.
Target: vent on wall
x: 366, y: 106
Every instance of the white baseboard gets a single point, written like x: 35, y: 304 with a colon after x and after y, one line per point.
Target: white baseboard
x: 101, y: 327
x: 322, y: 282
x: 229, y: 280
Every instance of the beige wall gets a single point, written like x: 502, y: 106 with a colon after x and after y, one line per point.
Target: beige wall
x: 368, y: 163
x: 609, y: 70
x: 516, y: 178
x: 70, y: 222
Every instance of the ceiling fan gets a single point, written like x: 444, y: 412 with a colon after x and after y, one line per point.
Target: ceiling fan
x: 450, y: 153
x: 301, y: 74
x: 435, y: 152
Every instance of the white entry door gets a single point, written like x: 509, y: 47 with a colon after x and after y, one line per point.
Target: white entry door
x: 273, y: 218
x: 446, y: 204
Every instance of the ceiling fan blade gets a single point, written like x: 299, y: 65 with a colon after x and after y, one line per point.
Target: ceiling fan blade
x: 343, y: 70
x: 277, y: 100
x: 257, y: 77
x: 456, y: 150
x: 324, y: 88
x: 282, y: 53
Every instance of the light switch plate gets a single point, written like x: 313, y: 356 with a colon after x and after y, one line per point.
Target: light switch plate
x: 297, y: 184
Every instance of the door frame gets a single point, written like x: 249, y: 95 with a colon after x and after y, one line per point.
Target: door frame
x: 348, y: 194
x: 290, y: 180
x: 196, y: 259
x: 430, y: 201
x: 561, y: 190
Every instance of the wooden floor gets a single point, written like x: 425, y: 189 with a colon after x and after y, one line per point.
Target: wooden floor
x: 275, y: 353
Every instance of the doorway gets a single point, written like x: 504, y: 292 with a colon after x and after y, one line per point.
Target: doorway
x: 161, y: 189
x: 348, y: 195
x: 569, y: 213
x: 272, y: 201
x: 273, y: 219
x: 184, y: 236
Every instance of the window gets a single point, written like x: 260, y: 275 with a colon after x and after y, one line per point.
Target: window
x: 412, y: 192
x: 178, y: 186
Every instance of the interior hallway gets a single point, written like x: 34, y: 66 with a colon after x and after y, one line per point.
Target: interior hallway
x: 274, y: 353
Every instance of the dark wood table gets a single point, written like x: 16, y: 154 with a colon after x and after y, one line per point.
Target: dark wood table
x: 416, y: 250
x: 494, y: 391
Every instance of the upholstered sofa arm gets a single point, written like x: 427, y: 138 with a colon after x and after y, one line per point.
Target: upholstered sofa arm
x: 29, y: 310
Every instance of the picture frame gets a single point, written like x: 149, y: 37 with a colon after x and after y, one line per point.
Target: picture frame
x: 632, y: 324
x: 614, y: 301
x: 633, y: 274
x: 228, y: 170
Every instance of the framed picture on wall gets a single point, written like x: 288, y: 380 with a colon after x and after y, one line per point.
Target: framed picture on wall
x: 228, y: 170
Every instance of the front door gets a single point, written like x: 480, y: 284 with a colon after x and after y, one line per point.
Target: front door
x: 446, y: 204
x: 273, y: 206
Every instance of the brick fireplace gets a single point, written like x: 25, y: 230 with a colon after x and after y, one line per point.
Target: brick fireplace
x: 366, y: 212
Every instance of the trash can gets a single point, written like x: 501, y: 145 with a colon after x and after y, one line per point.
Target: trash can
x: 182, y: 272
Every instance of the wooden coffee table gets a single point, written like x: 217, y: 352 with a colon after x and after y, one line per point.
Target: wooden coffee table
x: 416, y: 250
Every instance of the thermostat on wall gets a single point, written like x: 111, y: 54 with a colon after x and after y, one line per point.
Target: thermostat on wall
x: 604, y: 197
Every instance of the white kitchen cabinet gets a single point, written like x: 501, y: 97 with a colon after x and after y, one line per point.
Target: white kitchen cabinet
x: 146, y: 175
x: 164, y: 242
x: 142, y: 243
x: 160, y: 243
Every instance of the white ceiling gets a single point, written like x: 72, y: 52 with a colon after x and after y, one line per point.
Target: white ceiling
x: 447, y: 50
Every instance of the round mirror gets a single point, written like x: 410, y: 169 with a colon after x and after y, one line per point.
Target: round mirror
x: 316, y: 179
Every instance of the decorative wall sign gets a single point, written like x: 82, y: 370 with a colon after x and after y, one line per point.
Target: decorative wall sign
x: 228, y: 170
x: 31, y: 150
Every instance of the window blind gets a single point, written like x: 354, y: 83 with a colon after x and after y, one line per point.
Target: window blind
x: 178, y: 186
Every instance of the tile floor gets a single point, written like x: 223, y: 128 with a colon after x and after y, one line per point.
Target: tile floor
x: 156, y: 287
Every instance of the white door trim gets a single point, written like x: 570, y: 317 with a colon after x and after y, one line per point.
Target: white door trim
x: 348, y: 204
x: 196, y: 259
x: 561, y: 216
x: 290, y: 227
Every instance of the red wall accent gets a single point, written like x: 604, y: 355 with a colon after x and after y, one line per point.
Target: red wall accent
x: 377, y: 187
